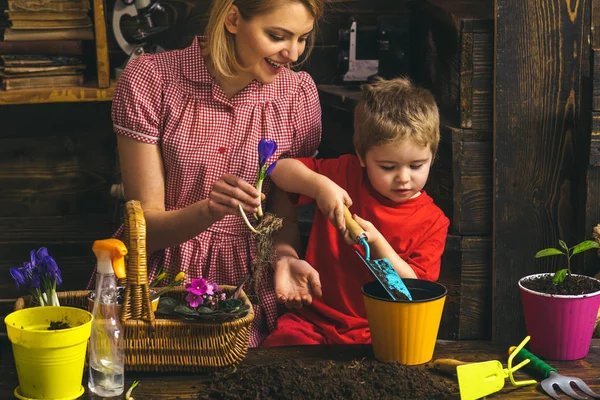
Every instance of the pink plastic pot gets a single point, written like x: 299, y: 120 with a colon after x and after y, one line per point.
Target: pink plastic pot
x: 560, y: 327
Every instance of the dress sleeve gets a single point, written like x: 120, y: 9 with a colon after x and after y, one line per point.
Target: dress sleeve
x: 307, y: 119
x: 136, y: 107
x: 426, y: 258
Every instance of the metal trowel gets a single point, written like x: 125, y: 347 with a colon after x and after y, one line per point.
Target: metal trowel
x: 381, y: 268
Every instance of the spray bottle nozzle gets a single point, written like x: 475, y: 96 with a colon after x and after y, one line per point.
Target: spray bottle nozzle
x: 111, y: 256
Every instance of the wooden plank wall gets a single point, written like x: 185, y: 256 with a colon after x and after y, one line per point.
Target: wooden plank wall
x: 57, y: 162
x: 541, y: 140
x: 592, y: 211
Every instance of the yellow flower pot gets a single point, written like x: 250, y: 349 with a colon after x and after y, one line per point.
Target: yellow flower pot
x: 405, y: 331
x: 49, y: 363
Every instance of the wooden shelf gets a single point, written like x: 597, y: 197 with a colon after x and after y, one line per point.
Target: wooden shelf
x: 87, y: 92
x: 100, y: 90
x: 343, y: 97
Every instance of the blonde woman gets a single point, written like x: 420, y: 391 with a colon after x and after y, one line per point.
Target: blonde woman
x: 188, y: 124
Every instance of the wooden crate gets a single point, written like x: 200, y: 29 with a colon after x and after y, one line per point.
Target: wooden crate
x: 461, y: 179
x: 467, y: 274
x: 452, y: 53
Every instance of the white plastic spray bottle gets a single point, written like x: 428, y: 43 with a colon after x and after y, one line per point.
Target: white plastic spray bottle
x: 106, y: 352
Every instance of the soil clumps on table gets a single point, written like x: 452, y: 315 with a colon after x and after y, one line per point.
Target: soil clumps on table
x: 364, y: 379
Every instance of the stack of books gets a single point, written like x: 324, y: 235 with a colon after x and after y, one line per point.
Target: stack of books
x: 43, y: 46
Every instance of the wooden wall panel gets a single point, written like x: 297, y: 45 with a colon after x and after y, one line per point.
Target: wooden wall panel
x: 461, y: 179
x: 542, y: 61
x: 467, y: 274
x: 57, y: 162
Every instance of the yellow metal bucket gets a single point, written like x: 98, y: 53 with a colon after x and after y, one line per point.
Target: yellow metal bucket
x: 404, y: 330
x: 49, y: 363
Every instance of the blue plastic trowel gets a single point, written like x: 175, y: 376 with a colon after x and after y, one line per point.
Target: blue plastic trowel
x: 381, y: 268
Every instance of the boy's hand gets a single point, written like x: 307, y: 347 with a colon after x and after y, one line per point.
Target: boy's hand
x: 331, y: 199
x: 296, y: 282
x: 373, y: 235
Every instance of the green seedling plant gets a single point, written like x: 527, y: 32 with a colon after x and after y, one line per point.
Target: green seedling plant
x: 560, y: 275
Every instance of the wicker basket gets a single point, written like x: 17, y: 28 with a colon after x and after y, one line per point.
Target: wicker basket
x: 165, y: 344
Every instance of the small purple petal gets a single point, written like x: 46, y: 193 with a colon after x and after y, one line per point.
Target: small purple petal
x: 33, y: 258
x: 42, y: 253
x: 18, y: 276
x: 194, y: 300
x: 270, y: 169
x: 209, y: 289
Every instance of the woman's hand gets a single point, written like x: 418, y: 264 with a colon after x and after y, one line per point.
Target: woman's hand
x: 296, y: 282
x: 330, y: 199
x: 373, y: 235
x: 228, y: 192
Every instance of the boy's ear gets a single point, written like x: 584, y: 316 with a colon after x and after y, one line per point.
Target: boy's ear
x: 360, y: 159
x: 232, y: 20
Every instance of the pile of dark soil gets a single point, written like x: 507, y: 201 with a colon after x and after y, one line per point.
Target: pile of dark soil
x: 572, y: 285
x: 358, y: 380
x: 57, y: 325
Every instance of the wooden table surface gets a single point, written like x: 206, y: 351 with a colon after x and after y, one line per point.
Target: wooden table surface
x: 187, y: 386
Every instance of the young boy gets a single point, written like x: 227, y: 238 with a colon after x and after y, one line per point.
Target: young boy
x: 396, y: 135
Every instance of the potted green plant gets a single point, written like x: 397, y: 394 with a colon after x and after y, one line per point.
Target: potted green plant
x: 560, y: 308
x: 49, y: 341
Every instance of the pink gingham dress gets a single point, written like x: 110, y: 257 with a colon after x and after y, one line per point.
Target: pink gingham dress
x: 171, y: 100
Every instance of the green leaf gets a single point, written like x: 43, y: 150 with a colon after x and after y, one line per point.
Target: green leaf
x: 242, y: 310
x: 165, y: 310
x: 166, y: 305
x: 204, y: 310
x: 168, y: 302
x: 584, y: 246
x: 185, y: 311
x: 231, y: 304
x: 563, y: 245
x: 559, y: 276
x: 549, y: 252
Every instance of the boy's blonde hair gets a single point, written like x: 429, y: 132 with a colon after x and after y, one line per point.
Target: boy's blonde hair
x: 221, y: 43
x: 392, y: 111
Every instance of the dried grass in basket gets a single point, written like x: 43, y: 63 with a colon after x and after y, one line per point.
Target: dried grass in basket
x: 165, y: 344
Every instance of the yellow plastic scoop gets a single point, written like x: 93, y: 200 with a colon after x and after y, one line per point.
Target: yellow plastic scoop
x: 477, y: 380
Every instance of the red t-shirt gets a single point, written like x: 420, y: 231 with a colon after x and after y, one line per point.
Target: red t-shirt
x: 416, y: 229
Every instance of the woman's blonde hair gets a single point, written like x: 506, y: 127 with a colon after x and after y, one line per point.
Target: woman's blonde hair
x: 221, y: 43
x: 392, y: 111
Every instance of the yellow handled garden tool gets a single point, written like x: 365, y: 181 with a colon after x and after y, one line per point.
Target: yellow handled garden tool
x: 551, y: 377
x: 477, y: 380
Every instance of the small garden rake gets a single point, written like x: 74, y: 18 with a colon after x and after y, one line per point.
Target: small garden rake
x: 551, y: 377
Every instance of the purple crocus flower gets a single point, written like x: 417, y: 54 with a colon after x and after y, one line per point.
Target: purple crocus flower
x: 17, y: 274
x: 266, y: 148
x: 49, y: 269
x: 194, y: 299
